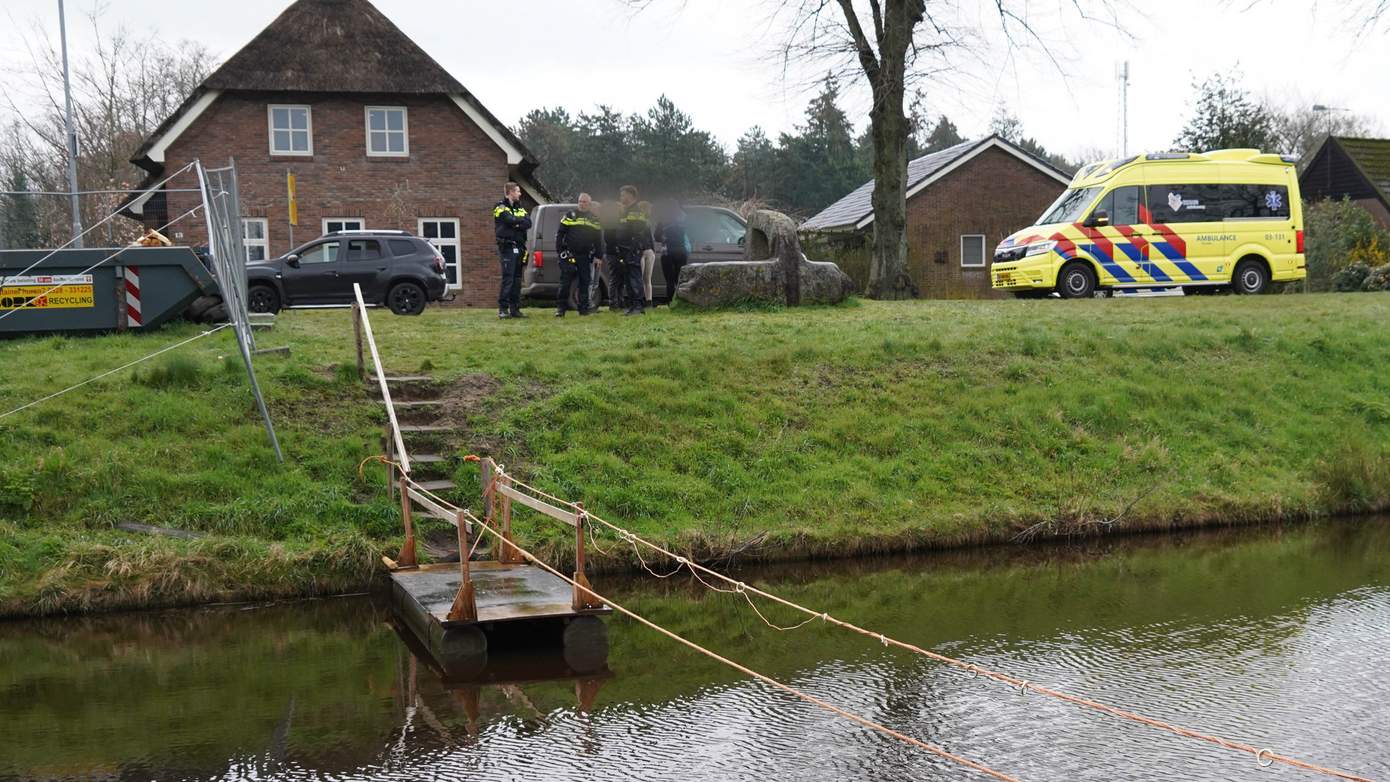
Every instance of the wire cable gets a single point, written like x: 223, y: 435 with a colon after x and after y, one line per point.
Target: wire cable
x: 8, y: 313
x: 110, y: 372
x: 103, y: 221
x: 768, y: 680
x: 1262, y: 756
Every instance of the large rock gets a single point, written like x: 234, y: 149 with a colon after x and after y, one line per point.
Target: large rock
x: 774, y: 270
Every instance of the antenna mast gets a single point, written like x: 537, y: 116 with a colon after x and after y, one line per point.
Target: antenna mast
x: 1122, y: 74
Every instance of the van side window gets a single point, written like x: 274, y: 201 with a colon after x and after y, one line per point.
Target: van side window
x: 1247, y: 202
x: 1185, y: 204
x: 1122, y: 205
x: 364, y: 250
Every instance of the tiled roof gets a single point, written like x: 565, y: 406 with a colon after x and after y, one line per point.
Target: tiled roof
x: 1372, y: 156
x: 848, y: 211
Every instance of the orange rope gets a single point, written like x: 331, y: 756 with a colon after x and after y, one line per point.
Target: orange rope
x: 935, y: 750
x: 1261, y: 755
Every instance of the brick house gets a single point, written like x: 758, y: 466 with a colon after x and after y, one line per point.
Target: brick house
x: 1354, y: 168
x: 961, y: 202
x: 376, y: 133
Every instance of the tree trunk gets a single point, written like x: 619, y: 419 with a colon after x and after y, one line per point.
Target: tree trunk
x: 888, y: 277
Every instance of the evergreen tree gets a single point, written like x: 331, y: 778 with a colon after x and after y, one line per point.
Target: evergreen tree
x: 819, y: 163
x: 553, y: 137
x: 19, y: 225
x: 604, y: 152
x: 753, y: 173
x: 671, y: 157
x: 942, y: 136
x: 1226, y: 117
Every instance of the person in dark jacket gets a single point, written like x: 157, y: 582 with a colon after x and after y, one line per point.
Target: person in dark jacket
x: 634, y: 238
x: 579, y: 241
x: 675, y: 241
x: 510, y: 223
x: 614, y: 268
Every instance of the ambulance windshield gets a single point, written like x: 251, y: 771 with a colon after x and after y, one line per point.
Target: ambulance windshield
x: 1069, y: 207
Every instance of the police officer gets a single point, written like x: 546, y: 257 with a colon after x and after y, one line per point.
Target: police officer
x: 634, y: 238
x: 511, y: 223
x: 580, y: 241
x: 613, y: 266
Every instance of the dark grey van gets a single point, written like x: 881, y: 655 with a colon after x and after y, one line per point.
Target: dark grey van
x: 716, y: 234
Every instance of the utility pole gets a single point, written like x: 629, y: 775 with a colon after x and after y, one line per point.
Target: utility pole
x: 71, y: 131
x: 1124, y: 108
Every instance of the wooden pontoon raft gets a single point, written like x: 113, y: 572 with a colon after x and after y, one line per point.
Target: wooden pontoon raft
x: 503, y: 593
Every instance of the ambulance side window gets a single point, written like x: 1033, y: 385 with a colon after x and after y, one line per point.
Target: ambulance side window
x: 1122, y: 205
x: 1184, y: 204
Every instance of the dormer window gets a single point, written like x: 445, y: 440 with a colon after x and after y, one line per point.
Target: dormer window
x: 291, y: 130
x: 388, y: 133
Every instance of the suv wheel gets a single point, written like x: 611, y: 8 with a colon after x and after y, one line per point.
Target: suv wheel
x: 406, y: 298
x: 262, y: 298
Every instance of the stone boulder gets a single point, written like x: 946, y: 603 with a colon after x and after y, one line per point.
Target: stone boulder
x: 773, y: 270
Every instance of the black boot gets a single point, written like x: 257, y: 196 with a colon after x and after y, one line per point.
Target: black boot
x: 503, y: 314
x: 516, y: 314
x: 561, y: 313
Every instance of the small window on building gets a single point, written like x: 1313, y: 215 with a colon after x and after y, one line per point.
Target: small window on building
x: 443, y: 234
x: 335, y: 224
x: 388, y: 133
x: 972, y: 251
x: 255, y: 237
x: 291, y: 130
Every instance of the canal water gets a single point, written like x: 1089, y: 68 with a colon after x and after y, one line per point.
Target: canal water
x: 1278, y: 637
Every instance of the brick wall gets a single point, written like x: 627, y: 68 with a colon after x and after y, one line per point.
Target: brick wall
x: 454, y: 171
x: 993, y: 194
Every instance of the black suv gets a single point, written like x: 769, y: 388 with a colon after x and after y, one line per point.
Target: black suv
x: 394, y: 268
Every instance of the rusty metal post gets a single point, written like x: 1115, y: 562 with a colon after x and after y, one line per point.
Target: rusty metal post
x: 407, y: 557
x: 583, y: 598
x: 357, y: 329
x: 465, y: 607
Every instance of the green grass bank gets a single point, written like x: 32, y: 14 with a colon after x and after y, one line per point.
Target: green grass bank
x: 864, y: 428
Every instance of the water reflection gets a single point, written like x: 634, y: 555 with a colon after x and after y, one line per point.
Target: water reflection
x: 1280, y: 637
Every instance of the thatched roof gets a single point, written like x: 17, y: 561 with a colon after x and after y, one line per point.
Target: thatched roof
x: 333, y: 46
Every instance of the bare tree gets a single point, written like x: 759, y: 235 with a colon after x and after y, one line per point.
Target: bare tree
x: 893, y: 43
x: 123, y: 87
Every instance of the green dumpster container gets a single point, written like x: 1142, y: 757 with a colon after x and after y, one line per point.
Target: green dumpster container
x: 139, y: 288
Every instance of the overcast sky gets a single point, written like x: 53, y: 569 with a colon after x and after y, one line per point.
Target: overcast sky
x: 705, y: 54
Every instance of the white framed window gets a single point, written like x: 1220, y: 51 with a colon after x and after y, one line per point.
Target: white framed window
x: 335, y: 224
x: 291, y: 129
x: 255, y: 237
x: 972, y: 251
x: 388, y: 131
x: 443, y: 233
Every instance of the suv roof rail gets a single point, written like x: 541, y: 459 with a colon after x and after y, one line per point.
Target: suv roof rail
x: 391, y: 231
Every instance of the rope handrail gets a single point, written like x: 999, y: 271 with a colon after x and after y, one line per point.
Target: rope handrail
x: 1261, y: 754
x: 764, y: 678
x: 381, y: 380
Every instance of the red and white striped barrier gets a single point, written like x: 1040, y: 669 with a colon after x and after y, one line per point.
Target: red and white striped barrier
x: 132, y: 297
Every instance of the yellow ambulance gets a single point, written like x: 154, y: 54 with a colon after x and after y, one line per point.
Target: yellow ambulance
x: 1230, y: 219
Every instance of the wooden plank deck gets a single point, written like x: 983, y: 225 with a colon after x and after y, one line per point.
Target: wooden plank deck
x: 502, y: 592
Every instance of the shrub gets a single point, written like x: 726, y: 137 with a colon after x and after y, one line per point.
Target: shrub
x: 1350, y: 278
x: 1336, y: 231
x: 1378, y: 279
